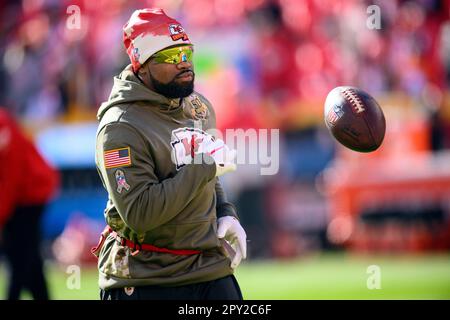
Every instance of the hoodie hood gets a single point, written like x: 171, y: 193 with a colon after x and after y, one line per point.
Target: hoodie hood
x: 128, y: 89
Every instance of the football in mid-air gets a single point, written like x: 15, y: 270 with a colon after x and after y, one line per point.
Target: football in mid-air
x: 355, y: 119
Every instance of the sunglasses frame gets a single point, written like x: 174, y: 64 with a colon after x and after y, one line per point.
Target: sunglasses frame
x: 174, y: 55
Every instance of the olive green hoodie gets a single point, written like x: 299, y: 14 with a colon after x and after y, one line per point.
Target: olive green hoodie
x: 153, y: 198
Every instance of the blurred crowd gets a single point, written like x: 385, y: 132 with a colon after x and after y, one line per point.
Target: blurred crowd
x: 273, y: 54
x: 277, y: 59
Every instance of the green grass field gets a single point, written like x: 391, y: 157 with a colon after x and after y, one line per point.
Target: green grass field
x: 324, y: 276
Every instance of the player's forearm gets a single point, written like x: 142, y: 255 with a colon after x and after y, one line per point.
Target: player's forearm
x: 156, y: 204
x: 223, y: 206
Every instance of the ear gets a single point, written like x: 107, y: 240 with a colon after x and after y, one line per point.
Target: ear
x: 144, y: 73
x: 143, y: 70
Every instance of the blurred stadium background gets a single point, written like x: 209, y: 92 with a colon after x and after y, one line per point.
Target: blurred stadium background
x: 329, y: 213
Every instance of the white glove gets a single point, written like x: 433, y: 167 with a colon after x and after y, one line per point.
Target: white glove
x: 222, y: 155
x: 231, y: 230
x: 190, y: 144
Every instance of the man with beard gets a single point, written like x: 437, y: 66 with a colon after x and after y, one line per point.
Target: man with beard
x: 171, y: 232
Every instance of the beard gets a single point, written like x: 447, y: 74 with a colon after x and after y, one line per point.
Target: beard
x: 172, y: 89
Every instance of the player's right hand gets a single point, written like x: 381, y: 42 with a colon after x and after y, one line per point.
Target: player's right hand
x: 223, y: 157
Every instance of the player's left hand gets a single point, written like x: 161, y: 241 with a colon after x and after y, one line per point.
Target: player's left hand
x: 230, y: 229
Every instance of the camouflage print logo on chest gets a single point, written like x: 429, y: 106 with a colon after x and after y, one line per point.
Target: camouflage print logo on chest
x: 121, y: 181
x: 199, y: 110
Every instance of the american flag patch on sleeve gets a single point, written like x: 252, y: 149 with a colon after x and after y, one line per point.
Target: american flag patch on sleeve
x: 117, y: 158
